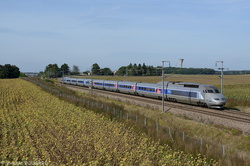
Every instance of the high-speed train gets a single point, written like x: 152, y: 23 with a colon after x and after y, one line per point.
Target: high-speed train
x: 183, y: 92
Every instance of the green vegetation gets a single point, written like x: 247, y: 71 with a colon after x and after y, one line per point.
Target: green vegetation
x: 9, y: 71
x: 22, y: 74
x: 53, y: 71
x: 143, y: 70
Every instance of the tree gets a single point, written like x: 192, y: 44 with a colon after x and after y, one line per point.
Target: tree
x: 130, y: 66
x: 150, y: 71
x: 65, y: 69
x: 134, y: 70
x: 22, y: 74
x: 139, y: 70
x: 144, y: 69
x: 75, y: 70
x: 121, y: 71
x: 95, y: 69
x: 52, y: 70
x: 106, y: 71
x: 9, y: 71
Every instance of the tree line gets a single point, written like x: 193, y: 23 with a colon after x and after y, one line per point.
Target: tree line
x: 52, y: 70
x: 144, y: 70
x: 138, y: 70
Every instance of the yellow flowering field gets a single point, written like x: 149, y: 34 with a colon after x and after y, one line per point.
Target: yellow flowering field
x: 37, y: 128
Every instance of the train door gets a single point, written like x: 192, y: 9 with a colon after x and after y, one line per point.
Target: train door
x: 206, y: 98
x: 201, y: 98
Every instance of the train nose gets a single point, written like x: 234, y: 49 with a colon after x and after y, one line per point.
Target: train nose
x: 216, y: 100
x: 219, y: 101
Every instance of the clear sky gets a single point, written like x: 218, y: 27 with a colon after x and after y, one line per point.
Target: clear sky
x: 114, y: 33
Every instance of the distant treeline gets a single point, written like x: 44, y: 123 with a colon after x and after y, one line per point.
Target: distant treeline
x: 174, y: 70
x: 234, y: 72
x: 52, y: 70
x: 144, y: 70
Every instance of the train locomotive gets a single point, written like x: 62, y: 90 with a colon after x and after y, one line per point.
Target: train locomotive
x: 183, y: 92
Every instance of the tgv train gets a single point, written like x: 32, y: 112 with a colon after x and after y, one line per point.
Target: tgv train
x: 183, y: 92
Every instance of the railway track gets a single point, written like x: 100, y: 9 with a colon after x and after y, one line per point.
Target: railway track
x: 231, y: 115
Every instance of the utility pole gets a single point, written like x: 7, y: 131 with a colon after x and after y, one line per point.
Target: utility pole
x: 221, y: 76
x: 63, y: 73
x: 92, y: 79
x: 163, y: 84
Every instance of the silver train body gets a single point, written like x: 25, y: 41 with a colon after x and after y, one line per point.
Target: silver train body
x: 183, y: 92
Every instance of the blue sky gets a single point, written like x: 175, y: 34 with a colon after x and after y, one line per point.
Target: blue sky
x: 114, y: 33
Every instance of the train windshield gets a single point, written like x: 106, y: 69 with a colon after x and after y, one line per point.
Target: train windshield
x: 217, y: 91
x: 212, y: 91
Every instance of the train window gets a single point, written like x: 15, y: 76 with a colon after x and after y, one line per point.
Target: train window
x: 111, y: 85
x: 146, y: 89
x: 97, y: 83
x: 217, y: 91
x: 210, y: 91
x: 125, y: 86
x: 180, y: 93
